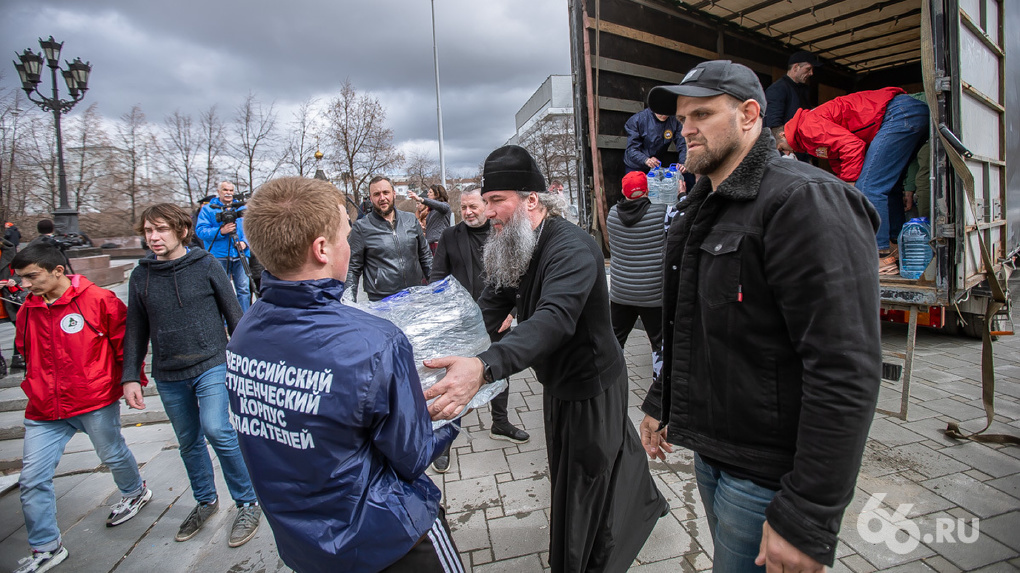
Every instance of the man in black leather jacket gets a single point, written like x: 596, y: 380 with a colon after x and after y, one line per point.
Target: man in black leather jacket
x: 772, y: 347
x: 388, y: 247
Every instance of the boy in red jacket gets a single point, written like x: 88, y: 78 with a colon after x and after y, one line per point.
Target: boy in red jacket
x: 70, y: 332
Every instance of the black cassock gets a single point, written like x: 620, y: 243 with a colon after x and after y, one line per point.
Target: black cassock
x: 604, y: 502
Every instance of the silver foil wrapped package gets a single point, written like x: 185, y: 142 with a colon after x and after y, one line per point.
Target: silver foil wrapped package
x: 440, y: 319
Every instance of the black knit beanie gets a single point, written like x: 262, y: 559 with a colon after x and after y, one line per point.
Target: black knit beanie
x: 511, y: 168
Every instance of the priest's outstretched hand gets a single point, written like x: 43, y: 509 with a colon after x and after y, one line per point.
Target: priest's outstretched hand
x: 453, y: 392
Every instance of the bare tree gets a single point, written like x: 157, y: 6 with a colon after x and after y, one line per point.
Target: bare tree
x: 355, y: 130
x: 38, y: 153
x: 254, y: 127
x: 88, y: 154
x: 10, y: 121
x: 304, y: 133
x: 551, y: 143
x: 422, y: 169
x: 212, y: 145
x: 180, y: 152
x: 132, y: 139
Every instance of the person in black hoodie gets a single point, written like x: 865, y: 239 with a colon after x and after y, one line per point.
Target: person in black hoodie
x: 179, y: 297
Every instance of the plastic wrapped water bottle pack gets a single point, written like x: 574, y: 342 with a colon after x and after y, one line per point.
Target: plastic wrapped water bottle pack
x: 440, y: 319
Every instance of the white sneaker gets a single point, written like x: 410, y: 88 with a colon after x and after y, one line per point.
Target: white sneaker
x: 128, y: 507
x: 42, y: 560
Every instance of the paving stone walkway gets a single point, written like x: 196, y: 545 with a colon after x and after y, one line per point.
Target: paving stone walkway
x: 963, y: 498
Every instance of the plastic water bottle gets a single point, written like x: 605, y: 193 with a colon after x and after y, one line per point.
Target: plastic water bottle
x: 915, y: 248
x: 653, y: 185
x: 667, y: 188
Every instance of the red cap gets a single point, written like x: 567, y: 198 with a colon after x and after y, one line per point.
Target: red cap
x: 635, y: 185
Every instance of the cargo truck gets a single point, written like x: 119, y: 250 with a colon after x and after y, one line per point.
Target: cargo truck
x: 960, y: 53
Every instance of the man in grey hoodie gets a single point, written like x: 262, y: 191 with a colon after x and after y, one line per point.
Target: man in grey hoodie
x: 179, y: 298
x: 636, y: 244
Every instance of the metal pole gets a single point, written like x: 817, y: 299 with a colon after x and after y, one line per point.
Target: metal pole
x: 439, y: 102
x: 61, y: 176
x: 65, y: 219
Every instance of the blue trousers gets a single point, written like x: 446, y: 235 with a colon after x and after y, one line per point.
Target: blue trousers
x: 44, y: 445
x: 736, y: 513
x: 198, y: 410
x: 904, y: 126
x: 235, y: 272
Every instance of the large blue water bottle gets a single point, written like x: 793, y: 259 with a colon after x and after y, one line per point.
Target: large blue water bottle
x: 653, y: 185
x: 915, y: 248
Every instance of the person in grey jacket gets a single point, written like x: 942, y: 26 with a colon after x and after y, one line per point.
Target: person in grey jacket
x: 438, y: 219
x: 178, y: 298
x: 636, y: 241
x: 388, y: 247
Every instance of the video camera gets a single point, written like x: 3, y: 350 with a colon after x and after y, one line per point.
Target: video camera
x: 66, y: 241
x: 230, y: 213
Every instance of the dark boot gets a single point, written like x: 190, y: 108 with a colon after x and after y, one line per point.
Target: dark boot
x: 442, y: 463
x: 502, y: 429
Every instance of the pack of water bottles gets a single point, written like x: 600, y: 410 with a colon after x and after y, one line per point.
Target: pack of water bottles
x: 915, y: 248
x: 663, y: 183
x: 440, y: 319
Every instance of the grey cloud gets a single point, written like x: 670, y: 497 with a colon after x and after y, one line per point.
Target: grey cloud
x: 189, y: 54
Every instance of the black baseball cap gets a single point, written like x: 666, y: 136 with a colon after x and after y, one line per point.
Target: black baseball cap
x: 707, y: 79
x: 804, y: 57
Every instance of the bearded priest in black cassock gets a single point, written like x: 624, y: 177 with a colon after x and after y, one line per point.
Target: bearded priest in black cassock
x: 604, y: 502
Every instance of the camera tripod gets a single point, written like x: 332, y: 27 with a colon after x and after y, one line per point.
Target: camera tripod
x: 244, y: 263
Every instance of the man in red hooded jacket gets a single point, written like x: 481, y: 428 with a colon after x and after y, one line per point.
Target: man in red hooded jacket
x: 868, y: 137
x: 71, y: 334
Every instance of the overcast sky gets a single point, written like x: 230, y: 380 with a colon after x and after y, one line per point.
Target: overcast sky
x: 190, y: 54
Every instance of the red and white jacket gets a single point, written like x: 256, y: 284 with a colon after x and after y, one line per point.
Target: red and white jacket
x: 841, y: 129
x: 73, y: 351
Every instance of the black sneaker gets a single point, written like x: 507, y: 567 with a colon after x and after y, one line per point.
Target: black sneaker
x: 128, y: 507
x: 41, y: 561
x: 195, y: 520
x: 17, y: 362
x: 245, y: 524
x: 509, y: 432
x: 442, y: 463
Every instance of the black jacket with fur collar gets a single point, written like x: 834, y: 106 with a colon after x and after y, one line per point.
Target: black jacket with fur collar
x: 771, y: 337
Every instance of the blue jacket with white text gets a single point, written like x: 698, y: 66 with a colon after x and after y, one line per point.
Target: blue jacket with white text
x: 334, y: 428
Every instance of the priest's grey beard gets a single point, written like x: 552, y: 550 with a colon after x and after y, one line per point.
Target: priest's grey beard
x: 508, y: 252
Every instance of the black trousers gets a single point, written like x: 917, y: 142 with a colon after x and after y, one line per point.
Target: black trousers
x: 624, y: 316
x: 604, y: 501
x: 499, y: 405
x: 435, y: 552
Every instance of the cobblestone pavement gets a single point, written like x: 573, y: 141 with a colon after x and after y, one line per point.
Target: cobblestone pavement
x: 964, y: 498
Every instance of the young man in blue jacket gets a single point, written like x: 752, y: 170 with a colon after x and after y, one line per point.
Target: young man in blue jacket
x: 218, y: 240
x: 327, y: 403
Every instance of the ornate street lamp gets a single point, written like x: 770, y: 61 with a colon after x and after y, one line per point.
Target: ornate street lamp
x: 76, y: 76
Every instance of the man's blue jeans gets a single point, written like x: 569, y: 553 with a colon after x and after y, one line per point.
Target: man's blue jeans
x: 904, y: 126
x: 235, y: 272
x: 198, y: 410
x: 736, y: 513
x: 44, y: 445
